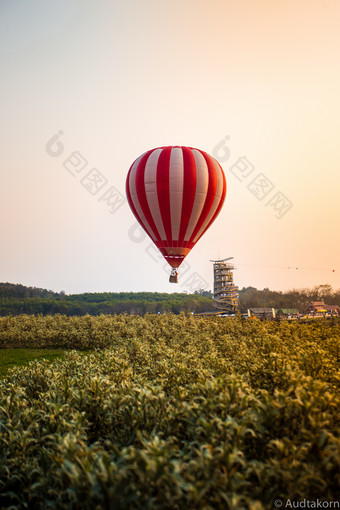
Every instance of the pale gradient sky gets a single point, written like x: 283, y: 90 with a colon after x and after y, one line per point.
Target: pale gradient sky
x: 121, y: 77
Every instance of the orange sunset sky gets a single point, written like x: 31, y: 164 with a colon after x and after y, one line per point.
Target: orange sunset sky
x: 254, y: 79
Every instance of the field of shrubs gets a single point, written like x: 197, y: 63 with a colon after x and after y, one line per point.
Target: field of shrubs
x: 170, y: 412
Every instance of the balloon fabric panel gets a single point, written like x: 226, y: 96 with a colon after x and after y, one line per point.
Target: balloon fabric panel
x: 175, y: 194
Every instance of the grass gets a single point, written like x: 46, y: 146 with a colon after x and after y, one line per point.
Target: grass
x: 20, y: 357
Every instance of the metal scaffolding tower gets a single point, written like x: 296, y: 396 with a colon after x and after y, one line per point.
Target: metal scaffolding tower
x: 225, y: 292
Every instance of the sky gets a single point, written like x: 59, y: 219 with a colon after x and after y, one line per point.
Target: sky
x: 86, y: 87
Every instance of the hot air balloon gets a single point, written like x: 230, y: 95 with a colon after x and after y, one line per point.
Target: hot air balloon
x: 175, y: 194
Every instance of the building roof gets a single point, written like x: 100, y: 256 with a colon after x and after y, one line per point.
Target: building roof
x: 261, y: 310
x: 321, y: 306
x: 287, y: 311
x: 332, y: 307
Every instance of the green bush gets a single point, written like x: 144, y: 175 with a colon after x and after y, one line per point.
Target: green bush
x: 172, y: 412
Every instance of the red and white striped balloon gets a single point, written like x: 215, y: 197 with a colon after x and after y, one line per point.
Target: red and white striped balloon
x: 175, y: 193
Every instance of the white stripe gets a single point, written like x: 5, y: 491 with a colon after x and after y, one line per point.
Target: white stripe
x: 176, y: 178
x: 134, y: 198
x: 150, y: 181
x: 216, y: 202
x: 202, y: 182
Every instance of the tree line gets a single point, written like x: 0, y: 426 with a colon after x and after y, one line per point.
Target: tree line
x: 17, y: 299
x: 250, y: 297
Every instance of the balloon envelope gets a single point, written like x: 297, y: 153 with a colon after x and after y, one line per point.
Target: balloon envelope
x: 175, y: 193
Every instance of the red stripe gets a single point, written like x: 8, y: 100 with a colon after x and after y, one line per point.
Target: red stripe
x: 212, y: 187
x: 174, y: 262
x: 163, y: 167
x: 220, y: 205
x: 189, y: 190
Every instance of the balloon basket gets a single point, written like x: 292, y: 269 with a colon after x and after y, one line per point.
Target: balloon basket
x: 173, y: 276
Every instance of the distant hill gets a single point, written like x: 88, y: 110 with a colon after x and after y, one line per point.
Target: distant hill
x: 13, y: 290
x: 16, y: 299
